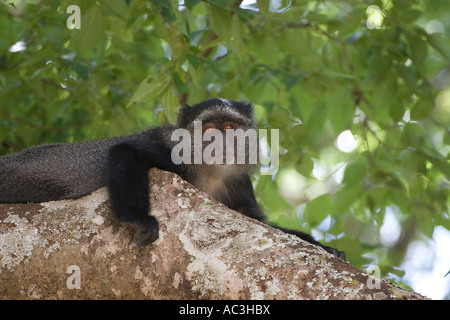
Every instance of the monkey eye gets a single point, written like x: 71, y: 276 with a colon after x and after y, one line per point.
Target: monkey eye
x: 208, y: 128
x: 227, y: 127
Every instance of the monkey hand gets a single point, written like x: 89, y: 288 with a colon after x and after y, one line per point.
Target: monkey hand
x: 336, y: 252
x: 146, y: 230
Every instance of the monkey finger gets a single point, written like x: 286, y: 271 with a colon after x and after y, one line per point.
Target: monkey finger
x: 336, y: 252
x: 146, y: 231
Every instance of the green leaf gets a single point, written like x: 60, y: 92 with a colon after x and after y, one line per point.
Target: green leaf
x: 170, y: 104
x: 346, y: 197
x: 298, y: 135
x: 440, y: 43
x: 272, y: 198
x: 425, y: 222
x: 258, y: 45
x: 355, y: 172
x: 116, y: 7
x: 300, y: 45
x: 215, y: 67
x: 404, y: 4
x: 438, y: 161
x: 166, y: 10
x: 92, y: 32
x: 150, y: 89
x: 304, y: 165
x: 396, y: 111
x: 419, y: 51
x: 305, y: 103
x: 422, y: 109
x: 340, y: 108
x: 317, y: 209
x: 407, y: 75
x: 348, y: 24
x: 238, y: 30
x: 413, y: 135
x: 384, y: 92
x: 38, y: 57
x: 220, y: 22
x: 409, y: 15
x: 192, y: 3
x: 194, y: 61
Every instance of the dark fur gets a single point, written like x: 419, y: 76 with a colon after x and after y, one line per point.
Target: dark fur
x: 63, y: 171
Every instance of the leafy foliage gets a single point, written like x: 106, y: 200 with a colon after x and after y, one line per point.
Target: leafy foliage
x: 313, y: 69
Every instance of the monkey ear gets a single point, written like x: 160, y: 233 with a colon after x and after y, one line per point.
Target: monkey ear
x: 183, y: 114
x: 247, y: 110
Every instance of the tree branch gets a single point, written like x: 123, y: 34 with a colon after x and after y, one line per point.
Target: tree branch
x: 205, y: 250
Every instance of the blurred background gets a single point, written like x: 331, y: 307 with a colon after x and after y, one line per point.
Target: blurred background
x: 360, y: 91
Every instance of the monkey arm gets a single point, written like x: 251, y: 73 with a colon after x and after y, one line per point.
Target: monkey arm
x: 244, y: 201
x: 241, y: 198
x: 128, y: 183
x: 310, y: 239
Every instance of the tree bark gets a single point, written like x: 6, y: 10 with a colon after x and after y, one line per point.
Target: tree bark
x: 75, y: 249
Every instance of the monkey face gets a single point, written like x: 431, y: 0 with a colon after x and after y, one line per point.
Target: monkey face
x: 229, y: 143
x: 216, y: 134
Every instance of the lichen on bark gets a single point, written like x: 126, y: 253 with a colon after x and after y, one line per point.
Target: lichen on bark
x: 205, y: 250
